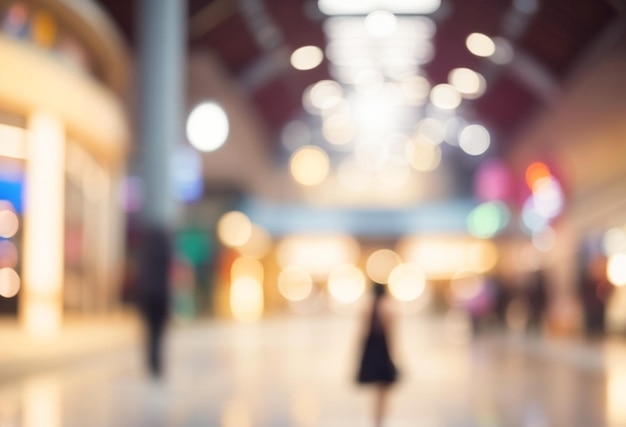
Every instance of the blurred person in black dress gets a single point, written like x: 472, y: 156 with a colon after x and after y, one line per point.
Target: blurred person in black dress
x: 376, y: 366
x: 153, y: 294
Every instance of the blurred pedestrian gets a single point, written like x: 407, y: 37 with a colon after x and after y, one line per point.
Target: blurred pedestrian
x: 154, y: 280
x: 376, y: 367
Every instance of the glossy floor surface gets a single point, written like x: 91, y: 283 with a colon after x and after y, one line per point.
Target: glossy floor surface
x: 298, y: 371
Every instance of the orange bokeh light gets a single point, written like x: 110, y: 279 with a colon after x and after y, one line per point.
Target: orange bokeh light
x: 535, y: 172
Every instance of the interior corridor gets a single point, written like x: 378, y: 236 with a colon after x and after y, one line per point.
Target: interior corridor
x: 298, y: 371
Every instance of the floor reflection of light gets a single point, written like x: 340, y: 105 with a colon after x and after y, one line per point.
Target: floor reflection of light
x: 9, y: 408
x: 305, y: 408
x: 236, y: 414
x: 615, y: 388
x: 42, y: 403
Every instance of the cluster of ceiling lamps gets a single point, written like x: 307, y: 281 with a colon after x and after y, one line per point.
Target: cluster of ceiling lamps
x: 367, y: 112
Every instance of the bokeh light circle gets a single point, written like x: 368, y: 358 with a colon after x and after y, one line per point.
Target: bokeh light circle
x: 380, y: 264
x: 9, y: 282
x: 207, y: 127
x: 234, y: 228
x: 407, y: 282
x: 346, y: 283
x: 309, y: 165
x: 295, y: 284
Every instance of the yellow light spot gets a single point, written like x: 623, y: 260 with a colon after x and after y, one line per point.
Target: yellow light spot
x: 422, y: 155
x: 9, y: 223
x: 309, y: 165
x: 234, y: 229
x: 380, y: 264
x: 468, y: 82
x: 246, y: 299
x: 616, y: 269
x: 317, y: 254
x: 325, y: 94
x: 346, y: 284
x: 246, y: 266
x: 9, y: 282
x: 407, y: 282
x: 445, y: 96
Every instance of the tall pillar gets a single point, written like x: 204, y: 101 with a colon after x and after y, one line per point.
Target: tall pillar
x: 41, y: 303
x: 162, y: 55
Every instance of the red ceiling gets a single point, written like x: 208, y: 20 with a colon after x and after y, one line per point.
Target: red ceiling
x: 555, y: 37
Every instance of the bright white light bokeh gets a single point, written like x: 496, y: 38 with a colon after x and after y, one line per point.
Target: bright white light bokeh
x: 326, y: 94
x: 234, y: 228
x: 480, y: 44
x: 318, y: 254
x: 431, y: 129
x: 309, y: 165
x: 208, y: 127
x: 407, y: 282
x: 380, y: 264
x: 468, y: 82
x: 381, y: 23
x: 369, y: 81
x: 616, y: 269
x: 614, y: 241
x: 306, y: 58
x: 363, y: 7
x: 445, y: 96
x: 9, y: 282
x: 474, y: 140
x: 246, y: 299
x: 547, y: 197
x: 9, y: 223
x: 346, y: 283
x: 415, y: 90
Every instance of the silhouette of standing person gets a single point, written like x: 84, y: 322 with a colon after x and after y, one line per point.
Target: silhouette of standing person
x: 154, y: 277
x: 376, y: 366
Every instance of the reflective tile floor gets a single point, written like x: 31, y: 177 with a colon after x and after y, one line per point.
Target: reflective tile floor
x: 298, y: 371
